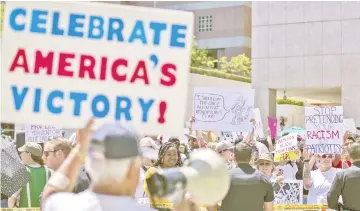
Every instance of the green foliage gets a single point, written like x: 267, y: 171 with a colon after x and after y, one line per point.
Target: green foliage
x: 219, y: 74
x: 290, y: 102
x: 2, y: 10
x: 200, y: 57
x: 238, y: 65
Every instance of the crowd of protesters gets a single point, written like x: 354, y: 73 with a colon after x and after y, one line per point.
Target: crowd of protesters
x: 318, y: 172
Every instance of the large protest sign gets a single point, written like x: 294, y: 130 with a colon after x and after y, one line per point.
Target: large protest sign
x: 69, y: 61
x: 288, y: 192
x: 286, y: 148
x: 41, y: 133
x: 223, y: 109
x: 324, y: 129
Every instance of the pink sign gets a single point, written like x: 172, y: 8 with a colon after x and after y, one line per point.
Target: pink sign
x: 272, y: 122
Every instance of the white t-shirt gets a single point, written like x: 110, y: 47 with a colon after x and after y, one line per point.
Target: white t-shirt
x: 90, y: 201
x: 321, y: 184
x: 289, y: 172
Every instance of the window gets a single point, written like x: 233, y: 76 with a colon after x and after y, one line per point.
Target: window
x: 205, y: 23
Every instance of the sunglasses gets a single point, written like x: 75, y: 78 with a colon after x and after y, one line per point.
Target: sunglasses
x: 264, y: 164
x: 326, y: 156
x: 47, y: 153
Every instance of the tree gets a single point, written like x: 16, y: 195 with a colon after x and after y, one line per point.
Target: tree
x: 200, y: 57
x: 2, y: 8
x: 238, y: 65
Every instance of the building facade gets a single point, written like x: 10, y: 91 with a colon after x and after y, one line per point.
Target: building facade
x: 308, y: 46
x: 222, y: 27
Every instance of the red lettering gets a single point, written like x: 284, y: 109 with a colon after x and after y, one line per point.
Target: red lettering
x: 64, y: 63
x: 170, y: 78
x: 322, y: 134
x: 103, y: 68
x: 43, y: 62
x: 20, y: 63
x: 140, y: 68
x: 114, y: 67
x: 87, y: 64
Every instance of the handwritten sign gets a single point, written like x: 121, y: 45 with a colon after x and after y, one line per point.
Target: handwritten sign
x: 222, y: 109
x: 272, y: 122
x: 286, y: 148
x: 41, y: 133
x: 70, y: 61
x: 324, y: 129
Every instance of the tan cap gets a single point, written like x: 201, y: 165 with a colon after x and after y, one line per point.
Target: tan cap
x: 191, y: 135
x: 266, y: 157
x: 31, y: 147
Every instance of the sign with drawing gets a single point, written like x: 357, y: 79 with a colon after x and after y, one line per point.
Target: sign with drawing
x: 223, y: 109
x: 288, y: 192
x: 324, y: 129
x: 41, y: 133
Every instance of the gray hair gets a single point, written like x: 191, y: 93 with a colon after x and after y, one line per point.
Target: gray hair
x: 354, y: 150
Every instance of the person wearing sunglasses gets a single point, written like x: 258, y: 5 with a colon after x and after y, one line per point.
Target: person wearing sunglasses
x: 29, y: 195
x: 319, y: 181
x: 266, y: 165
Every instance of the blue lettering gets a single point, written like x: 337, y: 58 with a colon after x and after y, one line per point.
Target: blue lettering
x: 56, y: 30
x: 76, y: 25
x: 38, y: 21
x: 176, y: 35
x: 138, y: 33
x: 157, y: 27
x: 115, y: 28
x: 145, y: 108
x: 50, y: 101
x: 18, y: 98
x: 123, y: 109
x: 37, y: 100
x: 95, y: 110
x: 12, y: 19
x: 78, y: 98
x: 96, y: 30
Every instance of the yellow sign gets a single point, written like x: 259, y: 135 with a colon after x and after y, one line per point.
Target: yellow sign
x: 301, y: 207
x: 276, y: 207
x: 284, y: 156
x: 21, y: 209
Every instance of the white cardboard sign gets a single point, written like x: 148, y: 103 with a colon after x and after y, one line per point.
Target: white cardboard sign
x: 70, y: 61
x: 223, y: 109
x: 41, y: 133
x: 324, y: 129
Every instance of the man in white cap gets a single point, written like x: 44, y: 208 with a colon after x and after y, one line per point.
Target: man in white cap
x: 113, y: 161
x: 226, y: 150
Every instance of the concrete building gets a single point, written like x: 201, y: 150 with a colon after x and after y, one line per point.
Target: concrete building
x: 308, y: 46
x: 222, y: 27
